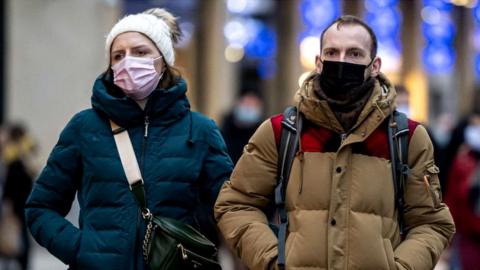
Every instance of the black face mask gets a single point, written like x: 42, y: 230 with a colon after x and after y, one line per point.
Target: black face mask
x: 341, y: 76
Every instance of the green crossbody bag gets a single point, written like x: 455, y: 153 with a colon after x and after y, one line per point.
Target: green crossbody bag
x: 168, y: 244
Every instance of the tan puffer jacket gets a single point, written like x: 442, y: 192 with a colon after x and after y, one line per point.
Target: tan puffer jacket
x: 340, y: 196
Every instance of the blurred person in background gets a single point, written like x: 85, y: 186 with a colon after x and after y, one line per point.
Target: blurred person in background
x: 181, y: 154
x: 18, y: 152
x: 403, y: 100
x: 240, y: 124
x: 340, y: 200
x: 457, y: 136
x: 463, y: 196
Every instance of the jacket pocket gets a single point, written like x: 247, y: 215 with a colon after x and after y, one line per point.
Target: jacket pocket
x: 433, y: 186
x: 387, y: 245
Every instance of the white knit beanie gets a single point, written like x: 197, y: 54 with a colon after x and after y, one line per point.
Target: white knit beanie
x: 151, y: 26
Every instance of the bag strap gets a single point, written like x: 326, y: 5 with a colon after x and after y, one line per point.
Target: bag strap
x: 398, y: 143
x: 290, y: 136
x: 130, y: 166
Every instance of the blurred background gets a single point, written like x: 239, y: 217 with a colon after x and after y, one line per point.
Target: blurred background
x: 243, y: 60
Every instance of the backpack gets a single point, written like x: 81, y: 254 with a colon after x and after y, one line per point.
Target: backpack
x: 290, y: 136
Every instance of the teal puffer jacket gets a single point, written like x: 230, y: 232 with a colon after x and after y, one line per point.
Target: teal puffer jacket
x: 183, y: 161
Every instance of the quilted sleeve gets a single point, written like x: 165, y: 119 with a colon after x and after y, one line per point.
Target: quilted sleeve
x: 52, y: 197
x: 240, y: 204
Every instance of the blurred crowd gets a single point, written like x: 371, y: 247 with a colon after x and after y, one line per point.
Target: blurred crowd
x: 17, y: 173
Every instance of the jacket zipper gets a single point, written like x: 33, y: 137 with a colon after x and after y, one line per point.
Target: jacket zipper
x: 142, y: 159
x: 146, y: 123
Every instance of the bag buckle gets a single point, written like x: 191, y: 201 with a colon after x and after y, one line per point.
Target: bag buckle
x: 146, y: 214
x: 182, y: 250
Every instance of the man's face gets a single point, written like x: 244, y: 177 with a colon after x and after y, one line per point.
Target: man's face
x: 349, y: 43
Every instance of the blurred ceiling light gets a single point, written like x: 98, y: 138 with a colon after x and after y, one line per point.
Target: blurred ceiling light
x: 309, y: 48
x: 374, y: 5
x: 477, y: 65
x: 302, y: 78
x: 476, y: 39
x: 236, y: 6
x: 444, y: 30
x: 439, y: 58
x: 234, y: 53
x: 438, y: 30
x: 236, y: 32
x: 250, y: 7
x: 385, y: 22
x: 430, y: 15
x: 318, y: 14
x: 476, y: 13
x: 263, y: 41
x: 391, y: 58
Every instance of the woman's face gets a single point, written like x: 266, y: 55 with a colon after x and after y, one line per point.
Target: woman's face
x: 137, y: 45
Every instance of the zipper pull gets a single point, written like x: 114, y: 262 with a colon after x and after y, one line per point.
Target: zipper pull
x: 147, y: 122
x: 343, y: 136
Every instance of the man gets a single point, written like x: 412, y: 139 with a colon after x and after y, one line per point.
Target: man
x: 340, y: 195
x: 239, y: 125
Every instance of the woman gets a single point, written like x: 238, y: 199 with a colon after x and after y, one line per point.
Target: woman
x: 181, y: 154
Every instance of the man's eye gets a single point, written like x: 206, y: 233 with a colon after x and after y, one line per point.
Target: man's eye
x: 141, y: 53
x: 355, y: 54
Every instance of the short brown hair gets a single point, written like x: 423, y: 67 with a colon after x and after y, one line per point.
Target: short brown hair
x: 353, y: 20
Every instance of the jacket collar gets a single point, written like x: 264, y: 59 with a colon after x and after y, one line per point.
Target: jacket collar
x: 163, y: 106
x: 375, y: 111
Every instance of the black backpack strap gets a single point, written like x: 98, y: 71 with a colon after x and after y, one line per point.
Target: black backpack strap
x: 398, y: 143
x: 290, y: 136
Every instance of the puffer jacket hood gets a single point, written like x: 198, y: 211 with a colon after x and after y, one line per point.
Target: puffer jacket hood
x: 166, y: 105
x: 319, y: 112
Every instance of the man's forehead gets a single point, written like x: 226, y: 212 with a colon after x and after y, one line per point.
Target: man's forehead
x: 347, y: 35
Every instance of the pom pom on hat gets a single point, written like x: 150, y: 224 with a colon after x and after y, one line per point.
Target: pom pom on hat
x: 154, y: 25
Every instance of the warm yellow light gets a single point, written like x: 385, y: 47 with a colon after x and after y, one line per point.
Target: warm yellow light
x: 309, y: 48
x: 465, y: 3
x: 393, y: 77
x: 234, y: 53
x: 416, y: 84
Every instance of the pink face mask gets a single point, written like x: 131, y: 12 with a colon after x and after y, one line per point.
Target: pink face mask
x: 136, y: 76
